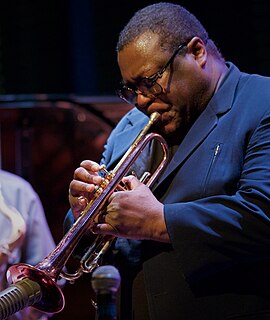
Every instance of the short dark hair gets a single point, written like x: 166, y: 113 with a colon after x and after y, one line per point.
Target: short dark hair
x: 172, y: 22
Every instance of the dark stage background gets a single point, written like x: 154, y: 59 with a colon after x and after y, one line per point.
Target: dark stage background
x: 58, y: 74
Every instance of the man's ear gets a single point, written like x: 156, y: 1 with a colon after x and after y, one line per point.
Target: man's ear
x: 197, y: 48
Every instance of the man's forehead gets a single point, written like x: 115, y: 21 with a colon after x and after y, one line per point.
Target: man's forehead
x: 142, y: 57
x: 147, y: 42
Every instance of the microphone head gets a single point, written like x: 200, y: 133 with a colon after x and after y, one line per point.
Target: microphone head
x: 105, y: 279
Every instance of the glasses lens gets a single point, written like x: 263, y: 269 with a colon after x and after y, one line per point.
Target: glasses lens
x: 150, y: 90
x: 147, y: 88
x: 127, y: 94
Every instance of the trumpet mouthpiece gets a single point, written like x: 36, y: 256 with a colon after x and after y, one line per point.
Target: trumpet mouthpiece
x: 154, y: 116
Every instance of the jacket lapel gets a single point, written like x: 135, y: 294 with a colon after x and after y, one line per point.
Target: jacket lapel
x: 218, y: 106
x: 199, y: 131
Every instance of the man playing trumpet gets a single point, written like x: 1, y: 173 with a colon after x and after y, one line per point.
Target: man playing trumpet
x: 196, y: 246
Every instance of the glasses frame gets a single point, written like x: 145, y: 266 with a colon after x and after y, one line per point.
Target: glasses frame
x: 148, y: 82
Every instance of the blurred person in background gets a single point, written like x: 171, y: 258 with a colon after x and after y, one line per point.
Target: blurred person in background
x: 25, y: 236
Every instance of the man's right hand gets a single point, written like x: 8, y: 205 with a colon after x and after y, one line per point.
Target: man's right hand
x: 82, y: 187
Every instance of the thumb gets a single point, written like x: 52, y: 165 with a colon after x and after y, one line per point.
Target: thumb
x: 131, y: 182
x: 77, y: 204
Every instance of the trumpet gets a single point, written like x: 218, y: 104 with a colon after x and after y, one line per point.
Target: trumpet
x: 45, y: 293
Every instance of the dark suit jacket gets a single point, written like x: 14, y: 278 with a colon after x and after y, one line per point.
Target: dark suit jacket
x: 216, y: 192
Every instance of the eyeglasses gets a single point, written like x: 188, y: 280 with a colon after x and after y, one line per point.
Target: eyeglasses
x: 147, y: 86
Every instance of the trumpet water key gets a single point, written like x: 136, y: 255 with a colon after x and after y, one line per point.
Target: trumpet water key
x: 41, y: 280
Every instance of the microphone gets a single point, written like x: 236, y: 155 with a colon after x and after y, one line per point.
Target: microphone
x: 22, y: 294
x: 105, y: 282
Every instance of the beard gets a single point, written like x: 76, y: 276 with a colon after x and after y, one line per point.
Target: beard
x: 175, y: 124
